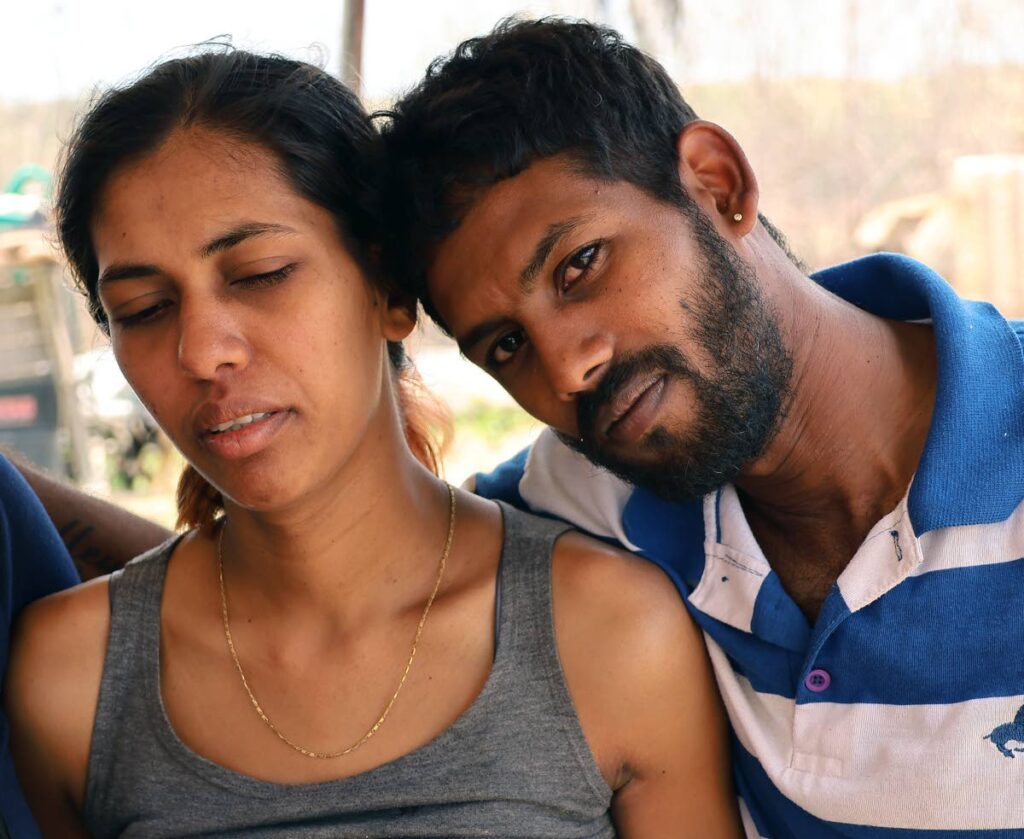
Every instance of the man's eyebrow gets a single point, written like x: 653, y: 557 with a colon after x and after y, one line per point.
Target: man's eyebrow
x: 239, y: 234
x: 552, y: 237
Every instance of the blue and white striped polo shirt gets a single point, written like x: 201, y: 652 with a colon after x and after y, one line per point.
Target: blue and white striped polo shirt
x: 900, y: 713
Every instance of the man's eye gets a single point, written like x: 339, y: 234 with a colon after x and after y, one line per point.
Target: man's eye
x: 506, y: 347
x: 578, y: 264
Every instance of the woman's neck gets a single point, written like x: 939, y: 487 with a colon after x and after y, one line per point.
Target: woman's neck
x: 360, y: 543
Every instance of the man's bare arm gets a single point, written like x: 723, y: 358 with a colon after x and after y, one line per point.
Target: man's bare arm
x: 100, y: 536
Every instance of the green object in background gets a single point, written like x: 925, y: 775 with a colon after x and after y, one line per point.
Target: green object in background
x: 17, y: 208
x: 30, y: 173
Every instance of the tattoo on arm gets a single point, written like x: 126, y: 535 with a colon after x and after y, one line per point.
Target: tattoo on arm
x: 90, y: 560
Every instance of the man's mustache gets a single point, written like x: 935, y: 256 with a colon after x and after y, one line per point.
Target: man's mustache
x: 658, y: 358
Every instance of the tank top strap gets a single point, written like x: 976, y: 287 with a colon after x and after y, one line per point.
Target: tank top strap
x: 525, y: 623
x: 131, y: 667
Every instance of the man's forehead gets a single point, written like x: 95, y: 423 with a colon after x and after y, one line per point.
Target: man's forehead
x: 514, y: 204
x: 499, y: 233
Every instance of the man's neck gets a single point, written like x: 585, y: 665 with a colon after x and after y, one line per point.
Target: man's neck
x: 850, y: 441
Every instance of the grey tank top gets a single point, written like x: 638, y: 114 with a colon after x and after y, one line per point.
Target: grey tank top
x: 515, y: 763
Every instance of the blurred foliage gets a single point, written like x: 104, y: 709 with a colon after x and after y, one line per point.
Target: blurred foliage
x: 492, y: 423
x: 826, y: 151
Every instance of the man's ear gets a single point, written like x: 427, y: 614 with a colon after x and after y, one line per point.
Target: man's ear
x: 716, y: 173
x: 398, y: 315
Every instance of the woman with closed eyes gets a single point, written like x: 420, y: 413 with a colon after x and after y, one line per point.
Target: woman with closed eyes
x: 340, y: 644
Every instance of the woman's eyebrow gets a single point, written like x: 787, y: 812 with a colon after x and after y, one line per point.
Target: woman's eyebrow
x: 125, y: 272
x: 239, y: 234
x: 228, y: 239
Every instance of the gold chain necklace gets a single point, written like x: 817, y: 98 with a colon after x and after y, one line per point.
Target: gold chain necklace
x: 408, y: 665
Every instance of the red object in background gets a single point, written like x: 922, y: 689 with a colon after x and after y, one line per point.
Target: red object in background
x: 21, y: 409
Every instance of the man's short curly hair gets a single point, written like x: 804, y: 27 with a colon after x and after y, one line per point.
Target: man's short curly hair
x: 525, y: 91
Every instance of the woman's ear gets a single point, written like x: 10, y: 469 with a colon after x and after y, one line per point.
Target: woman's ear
x: 398, y: 315
x: 397, y: 309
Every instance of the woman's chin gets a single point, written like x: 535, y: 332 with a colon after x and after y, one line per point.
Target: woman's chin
x: 260, y: 490
x: 259, y: 502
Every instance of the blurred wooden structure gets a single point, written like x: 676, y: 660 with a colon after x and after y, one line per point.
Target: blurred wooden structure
x: 987, y: 193
x: 38, y: 408
x: 972, y: 232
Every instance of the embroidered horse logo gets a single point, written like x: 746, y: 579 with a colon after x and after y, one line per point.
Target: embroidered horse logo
x: 1009, y: 737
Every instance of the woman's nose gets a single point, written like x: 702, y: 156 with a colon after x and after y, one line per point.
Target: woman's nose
x: 210, y: 343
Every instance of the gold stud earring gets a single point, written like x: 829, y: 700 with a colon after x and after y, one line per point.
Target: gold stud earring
x: 737, y: 216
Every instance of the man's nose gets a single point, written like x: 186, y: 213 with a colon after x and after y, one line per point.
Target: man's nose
x: 574, y: 359
x: 210, y: 342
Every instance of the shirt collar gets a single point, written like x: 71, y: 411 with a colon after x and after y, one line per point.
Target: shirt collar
x: 972, y: 468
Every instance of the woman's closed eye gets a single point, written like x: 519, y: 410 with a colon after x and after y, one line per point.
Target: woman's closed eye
x: 266, y: 278
x: 578, y: 264
x: 156, y: 309
x: 146, y: 314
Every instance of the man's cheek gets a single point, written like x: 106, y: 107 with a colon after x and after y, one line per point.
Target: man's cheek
x: 550, y: 411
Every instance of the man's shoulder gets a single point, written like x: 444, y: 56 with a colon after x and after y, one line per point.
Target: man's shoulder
x: 551, y: 479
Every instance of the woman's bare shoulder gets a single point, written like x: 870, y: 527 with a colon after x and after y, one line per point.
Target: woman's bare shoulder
x: 638, y: 672
x: 58, y: 646
x: 625, y: 600
x: 61, y: 629
x: 53, y: 678
x: 50, y: 695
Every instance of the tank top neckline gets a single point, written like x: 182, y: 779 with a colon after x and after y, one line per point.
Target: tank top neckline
x: 240, y: 783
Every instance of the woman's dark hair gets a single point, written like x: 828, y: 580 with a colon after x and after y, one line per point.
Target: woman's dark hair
x: 316, y: 128
x: 527, y: 90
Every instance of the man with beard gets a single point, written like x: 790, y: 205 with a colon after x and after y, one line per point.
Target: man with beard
x: 830, y: 469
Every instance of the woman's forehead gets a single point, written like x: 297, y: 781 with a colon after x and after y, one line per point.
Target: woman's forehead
x: 197, y: 166
x: 194, y: 185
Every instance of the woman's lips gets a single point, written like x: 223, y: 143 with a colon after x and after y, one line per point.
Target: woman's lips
x: 245, y: 440
x: 634, y: 422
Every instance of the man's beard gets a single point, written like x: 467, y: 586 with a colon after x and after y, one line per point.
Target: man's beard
x: 738, y: 407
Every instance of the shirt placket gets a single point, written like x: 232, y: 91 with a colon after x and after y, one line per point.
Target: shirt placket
x: 889, y: 554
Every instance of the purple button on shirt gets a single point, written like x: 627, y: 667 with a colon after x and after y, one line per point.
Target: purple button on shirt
x: 818, y: 680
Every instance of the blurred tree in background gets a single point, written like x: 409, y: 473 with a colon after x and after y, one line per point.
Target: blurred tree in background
x: 870, y: 125
x: 828, y: 143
